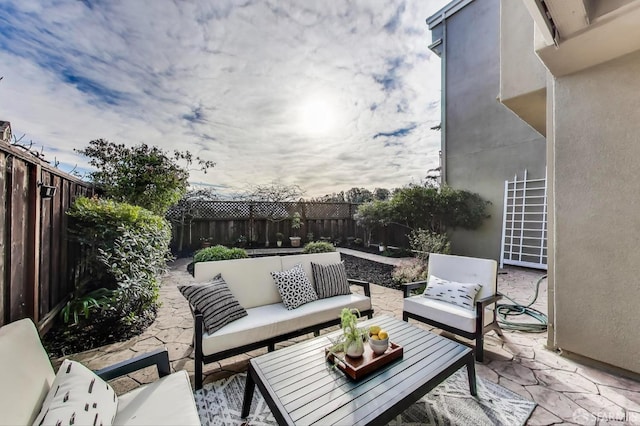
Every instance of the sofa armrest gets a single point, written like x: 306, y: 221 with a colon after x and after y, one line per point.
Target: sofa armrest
x: 364, y: 284
x: 410, y: 286
x: 159, y: 358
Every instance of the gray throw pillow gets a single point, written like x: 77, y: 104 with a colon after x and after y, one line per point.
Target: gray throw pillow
x: 331, y: 280
x: 294, y: 287
x: 218, y: 305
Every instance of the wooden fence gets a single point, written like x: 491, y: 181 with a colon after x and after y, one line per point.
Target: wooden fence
x: 39, y: 267
x: 256, y: 223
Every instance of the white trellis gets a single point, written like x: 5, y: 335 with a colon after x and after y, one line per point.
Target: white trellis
x: 524, y: 224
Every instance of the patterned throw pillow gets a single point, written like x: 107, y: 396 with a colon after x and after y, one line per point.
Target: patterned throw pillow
x: 331, y: 280
x: 460, y: 294
x: 218, y: 305
x: 78, y: 396
x: 294, y: 287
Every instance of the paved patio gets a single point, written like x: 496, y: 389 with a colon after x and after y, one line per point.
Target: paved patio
x: 567, y: 392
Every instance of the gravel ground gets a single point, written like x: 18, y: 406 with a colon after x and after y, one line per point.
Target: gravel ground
x: 373, y: 272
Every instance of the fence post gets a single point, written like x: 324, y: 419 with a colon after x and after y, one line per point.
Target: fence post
x: 33, y: 244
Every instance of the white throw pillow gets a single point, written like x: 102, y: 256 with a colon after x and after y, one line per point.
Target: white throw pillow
x: 460, y: 294
x: 78, y: 396
x: 294, y: 287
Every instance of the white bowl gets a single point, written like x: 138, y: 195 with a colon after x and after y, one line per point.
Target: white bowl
x: 379, y: 346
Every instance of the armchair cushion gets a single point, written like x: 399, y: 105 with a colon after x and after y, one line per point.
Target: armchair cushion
x: 78, y: 396
x: 294, y: 287
x: 331, y: 280
x: 216, y: 302
x: 444, y: 313
x: 460, y: 294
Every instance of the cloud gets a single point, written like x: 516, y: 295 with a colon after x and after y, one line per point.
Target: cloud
x: 232, y: 82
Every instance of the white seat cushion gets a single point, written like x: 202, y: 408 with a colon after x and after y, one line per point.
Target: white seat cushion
x: 168, y: 401
x: 25, y: 373
x: 445, y: 313
x: 268, y: 321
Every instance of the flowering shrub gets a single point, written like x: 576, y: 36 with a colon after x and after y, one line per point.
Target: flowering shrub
x: 409, y: 271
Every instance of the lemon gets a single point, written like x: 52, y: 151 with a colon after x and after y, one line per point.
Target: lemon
x: 374, y: 329
x: 382, y: 334
x: 375, y: 337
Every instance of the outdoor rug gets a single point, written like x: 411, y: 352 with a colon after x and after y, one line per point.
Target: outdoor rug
x: 450, y: 403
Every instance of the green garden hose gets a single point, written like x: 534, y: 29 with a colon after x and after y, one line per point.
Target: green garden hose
x: 505, y: 311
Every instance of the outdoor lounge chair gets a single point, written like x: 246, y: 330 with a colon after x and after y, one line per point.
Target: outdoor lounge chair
x: 471, y: 322
x: 26, y: 377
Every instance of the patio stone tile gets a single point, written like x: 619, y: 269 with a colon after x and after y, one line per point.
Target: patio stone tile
x: 147, y: 345
x: 519, y: 351
x: 123, y: 385
x: 542, y: 417
x: 554, y: 360
x: 612, y: 380
x: 110, y: 359
x: 626, y: 399
x: 565, y: 381
x: 561, y: 405
x: 178, y: 350
x: 486, y: 373
x: 514, y: 372
x: 171, y: 335
x: 532, y: 364
x: 146, y: 375
x: 515, y: 387
x: 513, y: 338
x: 183, y: 364
x: 597, y: 405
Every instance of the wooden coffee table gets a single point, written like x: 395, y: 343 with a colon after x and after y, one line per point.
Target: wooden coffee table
x: 301, y: 387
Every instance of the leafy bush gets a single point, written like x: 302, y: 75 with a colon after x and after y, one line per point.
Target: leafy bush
x: 219, y: 253
x: 424, y: 242
x: 409, y: 271
x: 128, y: 250
x: 142, y: 175
x: 318, y: 247
x: 438, y: 209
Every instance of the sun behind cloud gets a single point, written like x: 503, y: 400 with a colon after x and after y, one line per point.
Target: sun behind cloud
x: 317, y: 116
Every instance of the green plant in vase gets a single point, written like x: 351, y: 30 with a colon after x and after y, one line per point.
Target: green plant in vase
x: 352, y: 339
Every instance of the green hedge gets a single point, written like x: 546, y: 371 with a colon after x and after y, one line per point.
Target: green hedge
x: 219, y: 253
x: 128, y: 248
x: 318, y: 247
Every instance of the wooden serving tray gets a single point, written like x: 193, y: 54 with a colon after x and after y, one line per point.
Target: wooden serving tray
x: 357, y: 368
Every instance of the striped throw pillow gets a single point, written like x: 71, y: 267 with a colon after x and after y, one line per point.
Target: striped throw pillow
x: 331, y: 280
x: 218, y: 305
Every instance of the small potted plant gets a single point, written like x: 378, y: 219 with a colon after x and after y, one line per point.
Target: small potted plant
x: 279, y: 238
x: 351, y: 342
x: 296, y: 223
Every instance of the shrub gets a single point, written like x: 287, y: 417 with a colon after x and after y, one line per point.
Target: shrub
x: 128, y: 248
x: 424, y: 242
x: 409, y: 271
x: 318, y: 247
x: 219, y: 253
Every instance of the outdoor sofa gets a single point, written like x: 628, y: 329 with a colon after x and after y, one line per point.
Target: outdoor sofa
x: 267, y: 320
x: 30, y: 390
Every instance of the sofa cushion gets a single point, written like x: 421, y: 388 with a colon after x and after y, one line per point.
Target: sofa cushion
x: 269, y: 321
x: 445, y: 313
x: 25, y: 373
x: 294, y: 287
x: 216, y: 302
x: 78, y: 396
x: 460, y: 294
x: 331, y: 280
x: 248, y: 279
x: 168, y: 401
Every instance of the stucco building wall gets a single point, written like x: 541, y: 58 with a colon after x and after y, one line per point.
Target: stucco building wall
x: 485, y: 143
x: 596, y: 150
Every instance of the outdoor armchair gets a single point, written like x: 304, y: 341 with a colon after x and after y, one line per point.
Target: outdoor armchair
x: 472, y: 321
x: 26, y: 378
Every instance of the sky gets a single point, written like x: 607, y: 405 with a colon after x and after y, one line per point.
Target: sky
x: 325, y: 95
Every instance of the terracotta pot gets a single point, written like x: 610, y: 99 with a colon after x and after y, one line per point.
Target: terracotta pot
x: 295, y: 241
